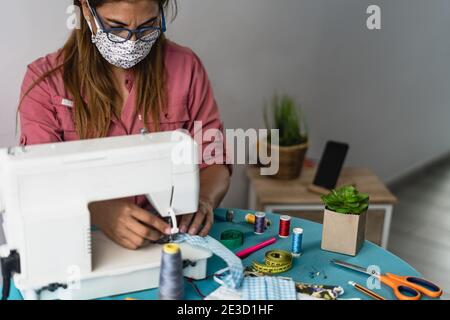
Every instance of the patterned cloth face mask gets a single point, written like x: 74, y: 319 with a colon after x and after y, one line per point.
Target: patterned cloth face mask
x: 232, y: 277
x: 126, y: 54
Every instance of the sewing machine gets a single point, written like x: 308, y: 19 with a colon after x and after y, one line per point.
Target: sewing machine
x: 44, y: 195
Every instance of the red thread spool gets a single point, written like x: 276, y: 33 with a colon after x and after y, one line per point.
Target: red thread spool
x: 285, y: 227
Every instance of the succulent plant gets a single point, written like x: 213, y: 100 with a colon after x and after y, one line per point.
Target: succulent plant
x: 346, y: 200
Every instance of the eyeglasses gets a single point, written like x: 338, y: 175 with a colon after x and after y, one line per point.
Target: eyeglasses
x: 121, y: 35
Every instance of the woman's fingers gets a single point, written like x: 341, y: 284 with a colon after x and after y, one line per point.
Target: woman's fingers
x: 127, y: 244
x: 143, y: 230
x: 197, y: 222
x: 151, y: 220
x: 186, y: 222
x: 207, y: 226
x: 209, y: 219
x: 137, y: 240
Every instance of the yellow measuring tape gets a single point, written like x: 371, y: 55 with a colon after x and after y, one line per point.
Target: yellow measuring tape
x: 276, y: 261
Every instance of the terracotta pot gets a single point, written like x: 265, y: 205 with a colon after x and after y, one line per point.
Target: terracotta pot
x: 291, y: 160
x: 343, y: 233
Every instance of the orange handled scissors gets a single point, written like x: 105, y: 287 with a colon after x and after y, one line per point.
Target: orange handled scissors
x: 405, y: 288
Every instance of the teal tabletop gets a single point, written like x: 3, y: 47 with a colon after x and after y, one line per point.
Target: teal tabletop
x: 313, y: 267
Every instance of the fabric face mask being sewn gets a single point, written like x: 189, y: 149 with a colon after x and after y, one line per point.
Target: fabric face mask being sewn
x: 263, y: 288
x: 268, y: 288
x: 232, y: 276
x: 126, y: 54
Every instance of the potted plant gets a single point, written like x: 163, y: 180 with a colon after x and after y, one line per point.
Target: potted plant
x: 288, y: 118
x: 344, y: 222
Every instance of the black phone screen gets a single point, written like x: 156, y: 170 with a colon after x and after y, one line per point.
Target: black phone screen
x: 331, y: 164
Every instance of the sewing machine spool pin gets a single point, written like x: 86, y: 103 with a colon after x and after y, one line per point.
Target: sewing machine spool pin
x: 173, y: 217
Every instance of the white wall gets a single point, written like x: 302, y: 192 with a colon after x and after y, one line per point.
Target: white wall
x: 34, y: 28
x: 385, y: 92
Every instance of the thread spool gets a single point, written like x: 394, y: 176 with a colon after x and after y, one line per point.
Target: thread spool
x: 171, y: 280
x: 251, y: 219
x: 285, y: 227
x: 260, y: 223
x: 297, y: 242
x: 230, y: 216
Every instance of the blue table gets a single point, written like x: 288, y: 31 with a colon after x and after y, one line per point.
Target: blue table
x: 313, y: 259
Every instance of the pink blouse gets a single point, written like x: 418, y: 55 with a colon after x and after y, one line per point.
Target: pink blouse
x: 46, y: 113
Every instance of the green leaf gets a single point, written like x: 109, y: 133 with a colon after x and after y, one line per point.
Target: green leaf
x: 288, y: 119
x: 346, y: 200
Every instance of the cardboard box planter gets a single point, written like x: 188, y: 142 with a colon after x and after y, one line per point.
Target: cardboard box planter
x: 343, y: 233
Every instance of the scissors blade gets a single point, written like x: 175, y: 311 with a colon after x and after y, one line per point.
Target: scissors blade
x: 351, y: 266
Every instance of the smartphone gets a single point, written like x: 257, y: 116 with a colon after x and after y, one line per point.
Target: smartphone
x: 331, y: 165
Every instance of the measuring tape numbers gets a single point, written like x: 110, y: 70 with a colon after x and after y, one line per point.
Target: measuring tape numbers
x: 276, y: 261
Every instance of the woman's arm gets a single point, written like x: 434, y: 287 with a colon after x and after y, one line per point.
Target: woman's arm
x: 214, y: 184
x: 214, y: 179
x: 38, y: 120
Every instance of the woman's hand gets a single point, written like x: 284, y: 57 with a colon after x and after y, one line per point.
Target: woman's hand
x: 199, y: 223
x: 214, y: 184
x: 127, y: 224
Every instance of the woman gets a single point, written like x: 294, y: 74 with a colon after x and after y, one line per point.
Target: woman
x: 118, y: 75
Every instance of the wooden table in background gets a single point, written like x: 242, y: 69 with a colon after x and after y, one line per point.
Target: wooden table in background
x: 293, y: 198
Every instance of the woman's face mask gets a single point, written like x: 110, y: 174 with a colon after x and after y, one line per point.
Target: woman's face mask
x: 120, y: 53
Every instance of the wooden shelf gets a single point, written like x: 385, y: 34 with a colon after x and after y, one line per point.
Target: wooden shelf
x: 271, y: 191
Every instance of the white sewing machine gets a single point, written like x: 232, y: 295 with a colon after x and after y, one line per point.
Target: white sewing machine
x: 44, y: 195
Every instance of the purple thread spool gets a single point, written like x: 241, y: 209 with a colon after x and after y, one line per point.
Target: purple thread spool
x: 260, y: 223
